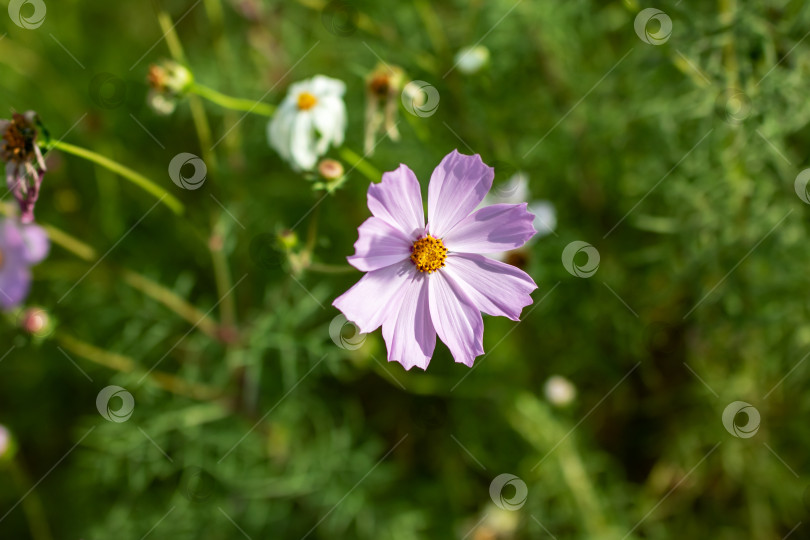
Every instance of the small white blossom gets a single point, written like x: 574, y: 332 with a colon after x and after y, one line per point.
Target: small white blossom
x: 515, y: 191
x: 310, y: 119
x: 559, y: 391
x: 471, y: 59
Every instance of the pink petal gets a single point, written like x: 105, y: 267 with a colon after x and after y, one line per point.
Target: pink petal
x: 369, y: 302
x: 457, y: 187
x: 397, y: 200
x: 456, y: 319
x: 499, y: 227
x: 494, y: 287
x: 15, y: 282
x: 36, y: 243
x: 379, y: 245
x: 408, y: 331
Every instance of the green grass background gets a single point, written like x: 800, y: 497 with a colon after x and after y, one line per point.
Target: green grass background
x: 336, y: 444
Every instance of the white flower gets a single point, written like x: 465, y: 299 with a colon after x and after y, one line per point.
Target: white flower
x: 471, y: 59
x: 310, y: 119
x: 515, y: 191
x: 559, y: 391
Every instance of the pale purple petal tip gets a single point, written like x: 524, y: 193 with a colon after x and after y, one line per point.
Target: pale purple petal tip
x: 495, y: 288
x: 457, y: 187
x: 495, y: 228
x: 397, y: 200
x: 408, y: 331
x: 457, y: 320
x: 36, y: 243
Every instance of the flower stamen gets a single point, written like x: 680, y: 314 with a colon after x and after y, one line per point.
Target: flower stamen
x: 428, y: 254
x: 306, y: 101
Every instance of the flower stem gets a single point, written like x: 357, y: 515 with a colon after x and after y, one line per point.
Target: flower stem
x: 331, y: 268
x: 31, y: 503
x: 136, y: 178
x: 125, y: 364
x: 358, y: 162
x: 232, y: 103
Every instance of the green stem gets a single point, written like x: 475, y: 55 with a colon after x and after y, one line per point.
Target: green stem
x: 331, y: 268
x: 197, y: 111
x: 358, y: 162
x: 232, y: 103
x: 31, y: 503
x: 136, y: 178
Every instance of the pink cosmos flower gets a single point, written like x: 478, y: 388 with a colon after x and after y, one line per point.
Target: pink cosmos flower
x: 423, y: 280
x: 21, y: 246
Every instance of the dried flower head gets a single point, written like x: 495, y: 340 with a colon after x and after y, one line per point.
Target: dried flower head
x: 383, y: 86
x: 25, y: 166
x: 168, y: 82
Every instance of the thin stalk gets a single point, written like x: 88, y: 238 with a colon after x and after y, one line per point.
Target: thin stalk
x: 197, y: 110
x: 222, y: 276
x: 174, y: 302
x: 31, y: 503
x: 125, y: 364
x: 136, y: 178
x: 232, y: 103
x: 358, y: 162
x: 331, y: 268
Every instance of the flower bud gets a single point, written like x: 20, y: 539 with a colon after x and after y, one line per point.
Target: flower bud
x: 7, y: 446
x: 35, y: 321
x: 168, y: 81
x: 287, y: 239
x: 330, y: 169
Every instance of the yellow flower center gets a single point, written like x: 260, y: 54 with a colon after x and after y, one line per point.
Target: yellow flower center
x: 1, y: 258
x: 428, y: 254
x: 306, y: 101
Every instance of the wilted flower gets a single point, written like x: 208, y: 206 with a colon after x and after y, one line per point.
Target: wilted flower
x: 383, y: 87
x: 516, y: 190
x: 432, y: 279
x: 559, y: 391
x: 21, y: 246
x: 471, y: 59
x: 25, y: 166
x: 310, y: 119
x: 168, y: 82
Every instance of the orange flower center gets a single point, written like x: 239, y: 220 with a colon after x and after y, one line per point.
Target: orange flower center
x: 306, y: 101
x: 428, y: 254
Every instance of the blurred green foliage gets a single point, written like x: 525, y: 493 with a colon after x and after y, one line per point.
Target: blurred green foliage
x: 676, y: 161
